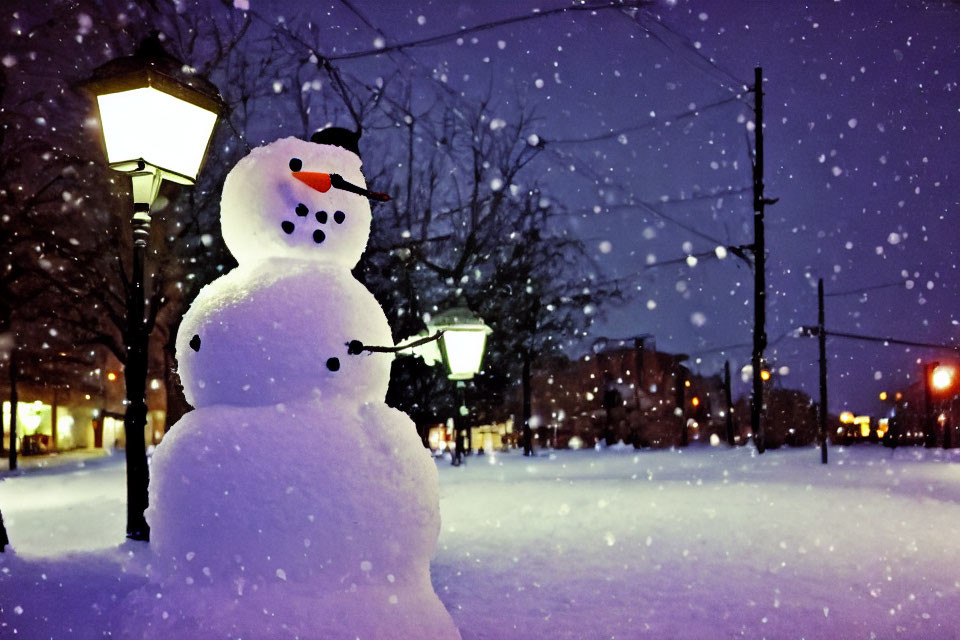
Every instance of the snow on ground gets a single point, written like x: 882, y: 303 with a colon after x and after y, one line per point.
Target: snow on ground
x: 699, y: 543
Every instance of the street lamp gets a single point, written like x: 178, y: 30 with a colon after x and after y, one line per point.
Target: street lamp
x: 157, y: 119
x: 937, y: 378
x: 463, y: 341
x: 942, y: 377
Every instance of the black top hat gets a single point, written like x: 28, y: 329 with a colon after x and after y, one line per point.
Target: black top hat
x: 339, y: 137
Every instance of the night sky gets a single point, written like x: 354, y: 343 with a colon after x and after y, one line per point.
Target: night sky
x: 862, y: 122
x: 647, y: 131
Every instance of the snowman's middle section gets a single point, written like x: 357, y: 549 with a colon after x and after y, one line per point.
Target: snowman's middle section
x: 278, y: 331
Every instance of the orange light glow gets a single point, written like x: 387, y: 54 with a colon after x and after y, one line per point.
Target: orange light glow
x: 764, y: 375
x: 695, y: 401
x: 942, y: 377
x: 883, y: 395
x: 686, y: 383
x: 111, y: 376
x: 883, y: 426
x: 846, y: 417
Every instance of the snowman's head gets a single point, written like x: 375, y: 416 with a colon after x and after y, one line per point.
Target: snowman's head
x: 280, y: 201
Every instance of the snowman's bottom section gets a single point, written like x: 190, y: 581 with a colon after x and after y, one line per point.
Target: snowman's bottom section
x: 314, y: 520
x: 272, y: 611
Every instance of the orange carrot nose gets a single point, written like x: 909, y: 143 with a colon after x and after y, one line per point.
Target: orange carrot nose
x: 313, y: 179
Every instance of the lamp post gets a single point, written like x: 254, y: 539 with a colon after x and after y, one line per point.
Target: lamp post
x: 156, y: 120
x: 462, y: 345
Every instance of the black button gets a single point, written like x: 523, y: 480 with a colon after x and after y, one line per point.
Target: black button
x: 287, y: 226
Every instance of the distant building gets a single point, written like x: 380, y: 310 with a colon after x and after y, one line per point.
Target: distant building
x: 910, y: 419
x: 625, y: 390
x: 85, y: 414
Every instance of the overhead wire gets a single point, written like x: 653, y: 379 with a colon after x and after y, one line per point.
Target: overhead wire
x: 810, y: 331
x: 861, y: 290
x: 690, y: 113
x: 493, y: 24
x: 683, y: 44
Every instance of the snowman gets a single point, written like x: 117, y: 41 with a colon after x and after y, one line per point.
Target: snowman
x: 292, y: 502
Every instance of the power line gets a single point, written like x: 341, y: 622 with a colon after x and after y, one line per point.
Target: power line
x: 683, y: 44
x: 850, y: 292
x: 814, y: 331
x: 742, y: 345
x: 740, y: 251
x: 682, y: 225
x: 486, y: 26
x: 712, y: 195
x: 648, y: 125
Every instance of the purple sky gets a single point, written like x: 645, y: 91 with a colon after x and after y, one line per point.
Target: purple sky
x: 862, y: 128
x: 863, y: 120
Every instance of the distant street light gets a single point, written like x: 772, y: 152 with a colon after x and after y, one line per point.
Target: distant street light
x: 157, y: 119
x: 462, y: 345
x: 942, y: 377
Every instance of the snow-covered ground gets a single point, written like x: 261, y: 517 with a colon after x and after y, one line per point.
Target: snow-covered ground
x: 700, y: 543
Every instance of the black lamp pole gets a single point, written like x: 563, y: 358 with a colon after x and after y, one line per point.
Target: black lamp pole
x: 135, y: 376
x: 149, y: 67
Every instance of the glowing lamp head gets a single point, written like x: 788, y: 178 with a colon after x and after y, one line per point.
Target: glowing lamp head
x: 764, y: 375
x: 153, y: 111
x: 942, y: 377
x: 463, y: 342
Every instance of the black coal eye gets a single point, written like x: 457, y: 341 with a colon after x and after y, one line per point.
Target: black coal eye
x: 322, y: 217
x: 339, y: 217
x: 195, y: 343
x: 302, y: 210
x: 295, y: 164
x: 287, y: 226
x: 333, y: 364
x: 319, y: 236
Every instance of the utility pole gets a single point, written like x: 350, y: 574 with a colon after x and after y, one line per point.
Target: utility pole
x: 822, y: 339
x: 639, y: 347
x: 929, y: 422
x: 759, y: 269
x: 681, y: 380
x: 728, y: 396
